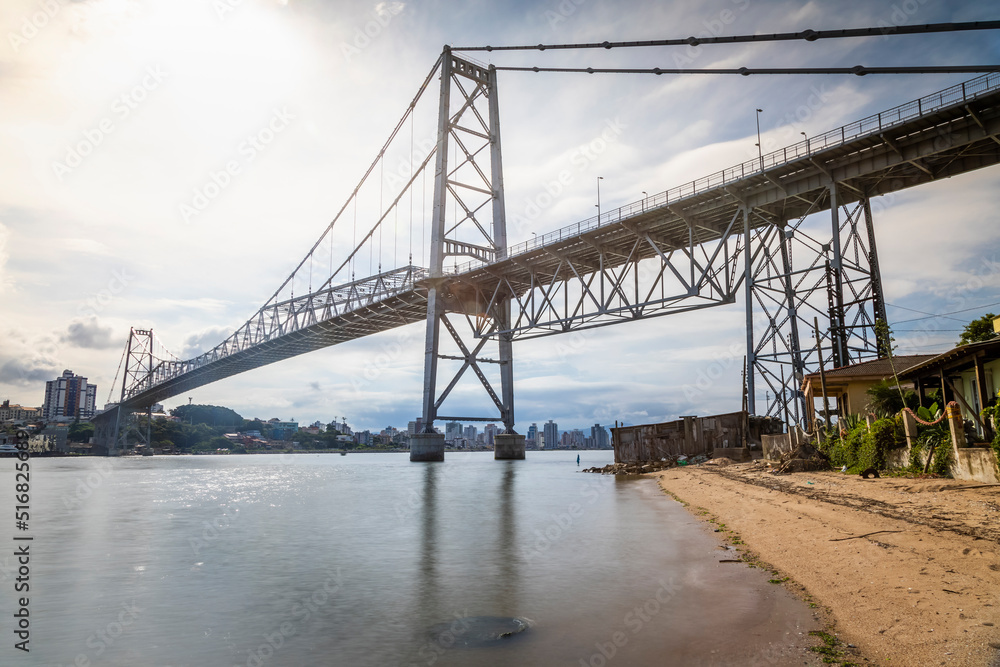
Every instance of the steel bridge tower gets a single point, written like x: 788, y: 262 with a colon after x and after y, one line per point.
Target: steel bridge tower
x: 139, y: 362
x: 477, y: 229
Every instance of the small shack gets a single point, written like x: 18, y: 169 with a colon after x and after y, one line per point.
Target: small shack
x: 692, y: 436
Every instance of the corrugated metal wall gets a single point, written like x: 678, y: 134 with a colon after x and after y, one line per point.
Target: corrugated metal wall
x: 688, y: 436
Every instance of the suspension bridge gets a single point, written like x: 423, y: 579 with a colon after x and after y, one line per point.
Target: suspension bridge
x: 791, y: 231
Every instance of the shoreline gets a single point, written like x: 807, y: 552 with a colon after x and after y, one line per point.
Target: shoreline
x: 907, y: 570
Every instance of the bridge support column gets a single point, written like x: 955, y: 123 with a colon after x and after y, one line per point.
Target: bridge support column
x: 835, y: 288
x: 751, y: 346
x: 427, y: 447
x: 463, y: 185
x: 508, y: 446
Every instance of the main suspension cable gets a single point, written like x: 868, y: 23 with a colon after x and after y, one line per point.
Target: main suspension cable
x: 807, y: 35
x: 859, y: 70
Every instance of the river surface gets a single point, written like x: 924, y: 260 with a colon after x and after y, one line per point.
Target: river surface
x: 368, y: 559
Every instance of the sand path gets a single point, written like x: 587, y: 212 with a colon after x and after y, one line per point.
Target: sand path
x: 922, y: 588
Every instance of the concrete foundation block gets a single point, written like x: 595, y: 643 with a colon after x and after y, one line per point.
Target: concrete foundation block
x: 427, y: 447
x: 508, y: 446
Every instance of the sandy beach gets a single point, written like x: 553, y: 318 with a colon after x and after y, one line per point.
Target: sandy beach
x: 907, y: 571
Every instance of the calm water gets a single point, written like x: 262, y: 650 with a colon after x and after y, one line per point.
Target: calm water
x: 331, y: 560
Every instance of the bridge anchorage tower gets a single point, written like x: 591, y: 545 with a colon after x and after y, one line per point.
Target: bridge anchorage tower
x: 468, y: 220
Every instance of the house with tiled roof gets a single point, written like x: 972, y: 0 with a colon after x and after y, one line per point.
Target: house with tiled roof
x: 967, y: 374
x: 847, y: 386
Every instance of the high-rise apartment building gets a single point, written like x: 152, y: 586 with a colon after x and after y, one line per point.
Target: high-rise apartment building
x: 69, y: 397
x: 551, y: 434
x: 452, y: 431
x: 599, y: 437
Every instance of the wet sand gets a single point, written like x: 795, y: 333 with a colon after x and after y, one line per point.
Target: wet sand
x: 907, y: 570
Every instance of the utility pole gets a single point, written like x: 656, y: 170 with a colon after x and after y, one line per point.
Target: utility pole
x: 822, y: 374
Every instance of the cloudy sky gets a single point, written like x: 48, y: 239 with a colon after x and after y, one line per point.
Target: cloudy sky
x: 166, y: 92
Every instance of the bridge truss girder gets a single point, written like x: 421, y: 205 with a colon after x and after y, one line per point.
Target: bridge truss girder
x: 635, y: 272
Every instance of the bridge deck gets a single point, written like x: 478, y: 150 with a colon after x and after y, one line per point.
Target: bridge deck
x: 959, y: 135
x: 400, y: 309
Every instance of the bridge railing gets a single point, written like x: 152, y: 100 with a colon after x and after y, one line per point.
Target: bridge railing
x: 874, y: 124
x: 289, y: 316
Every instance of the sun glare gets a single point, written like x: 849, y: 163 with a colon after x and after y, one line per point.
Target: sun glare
x: 237, y: 54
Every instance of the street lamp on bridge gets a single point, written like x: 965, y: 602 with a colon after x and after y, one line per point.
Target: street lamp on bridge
x: 599, y: 179
x: 760, y: 152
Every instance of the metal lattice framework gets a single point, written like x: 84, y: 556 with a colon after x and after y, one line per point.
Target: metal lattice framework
x: 799, y: 280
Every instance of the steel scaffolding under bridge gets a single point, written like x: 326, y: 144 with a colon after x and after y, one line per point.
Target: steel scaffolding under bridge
x: 742, y: 230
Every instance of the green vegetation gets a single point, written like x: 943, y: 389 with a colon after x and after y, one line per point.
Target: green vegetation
x: 879, y: 439
x: 201, y: 428
x: 978, y: 330
x: 862, y: 447
x: 936, y: 437
x: 210, y: 415
x: 830, y: 649
x: 80, y: 431
x: 992, y: 413
x: 886, y: 399
x: 883, y: 333
x: 843, y: 451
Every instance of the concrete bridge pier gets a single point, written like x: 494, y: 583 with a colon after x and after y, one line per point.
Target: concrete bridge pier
x: 508, y: 446
x: 428, y: 447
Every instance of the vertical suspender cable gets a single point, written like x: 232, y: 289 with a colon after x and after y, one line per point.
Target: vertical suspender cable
x: 410, y: 263
x: 381, y: 184
x: 354, y: 237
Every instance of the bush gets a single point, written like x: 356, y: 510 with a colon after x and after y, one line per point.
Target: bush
x: 943, y: 459
x: 862, y: 448
x: 874, y: 444
x: 844, y: 451
x: 916, y: 457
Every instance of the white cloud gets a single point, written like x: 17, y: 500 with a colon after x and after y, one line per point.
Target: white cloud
x: 203, y: 341
x: 6, y: 282
x: 89, y: 333
x: 86, y: 246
